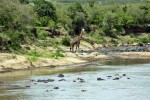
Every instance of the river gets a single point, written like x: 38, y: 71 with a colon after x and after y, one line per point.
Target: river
x: 121, y: 79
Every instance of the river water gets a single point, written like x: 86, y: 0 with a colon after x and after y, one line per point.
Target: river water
x: 134, y: 85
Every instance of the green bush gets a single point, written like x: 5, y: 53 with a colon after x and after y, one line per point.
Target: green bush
x: 96, y: 37
x: 24, y: 1
x: 14, y: 15
x: 45, y: 11
x: 4, y: 37
x: 132, y: 35
x: 65, y: 41
x: 113, y: 41
x: 3, y: 42
x: 42, y: 35
x: 32, y: 58
x: 13, y: 39
x: 145, y: 39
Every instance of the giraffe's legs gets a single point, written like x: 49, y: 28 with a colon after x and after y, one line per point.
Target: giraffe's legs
x: 77, y: 46
x: 71, y: 47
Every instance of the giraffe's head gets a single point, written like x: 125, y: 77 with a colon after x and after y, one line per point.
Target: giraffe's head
x: 82, y: 33
x: 83, y: 29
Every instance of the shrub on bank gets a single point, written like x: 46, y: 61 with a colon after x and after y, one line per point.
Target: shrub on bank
x: 65, y: 41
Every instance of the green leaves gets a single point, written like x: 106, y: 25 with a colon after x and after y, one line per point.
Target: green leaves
x: 78, y: 16
x: 65, y: 41
x: 24, y: 1
x: 44, y: 8
x: 13, y: 15
x: 36, y: 53
x: 74, y: 9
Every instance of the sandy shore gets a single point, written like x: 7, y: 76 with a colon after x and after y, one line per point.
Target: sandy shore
x: 140, y: 55
x: 10, y: 61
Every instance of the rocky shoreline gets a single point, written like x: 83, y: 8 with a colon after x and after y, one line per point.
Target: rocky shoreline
x: 10, y: 62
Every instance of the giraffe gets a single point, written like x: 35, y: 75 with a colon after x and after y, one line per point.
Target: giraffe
x: 76, y: 41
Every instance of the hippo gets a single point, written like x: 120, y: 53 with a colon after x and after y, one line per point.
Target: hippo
x: 83, y: 90
x: 109, y: 76
x: 81, y: 81
x: 116, y: 78
x: 1, y: 83
x: 56, y: 88
x: 123, y: 74
x: 74, y: 81
x: 60, y: 75
x: 50, y: 80
x: 62, y: 80
x: 100, y: 79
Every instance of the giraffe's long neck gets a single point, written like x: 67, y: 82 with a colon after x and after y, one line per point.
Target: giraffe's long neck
x: 79, y: 37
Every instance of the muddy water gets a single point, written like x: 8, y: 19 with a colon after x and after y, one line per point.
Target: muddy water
x: 23, y: 85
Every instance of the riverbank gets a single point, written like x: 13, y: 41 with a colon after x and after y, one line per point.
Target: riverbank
x: 134, y: 55
x: 10, y: 62
x: 86, y: 54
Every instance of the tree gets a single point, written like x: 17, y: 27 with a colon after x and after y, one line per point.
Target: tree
x: 46, y: 11
x: 15, y: 18
x: 112, y: 24
x: 24, y: 1
x: 73, y: 9
x: 91, y: 3
x: 13, y: 15
x: 140, y: 14
x: 78, y: 16
x: 145, y: 17
x: 78, y: 22
x: 63, y: 19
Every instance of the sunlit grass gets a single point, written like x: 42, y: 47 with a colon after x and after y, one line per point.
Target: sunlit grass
x: 36, y: 53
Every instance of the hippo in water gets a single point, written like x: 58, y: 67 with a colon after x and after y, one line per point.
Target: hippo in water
x: 100, y: 79
x: 116, y: 78
x: 60, y: 75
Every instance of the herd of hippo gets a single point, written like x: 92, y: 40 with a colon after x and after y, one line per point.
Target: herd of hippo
x: 80, y: 80
x: 61, y: 76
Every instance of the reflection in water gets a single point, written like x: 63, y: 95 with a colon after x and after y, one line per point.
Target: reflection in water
x: 118, y: 61
x: 23, y: 85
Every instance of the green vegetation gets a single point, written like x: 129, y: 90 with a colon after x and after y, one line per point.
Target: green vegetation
x: 45, y: 11
x: 100, y: 1
x: 32, y: 58
x: 36, y: 53
x: 104, y: 22
x: 65, y: 41
x: 96, y: 38
x: 145, y: 39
